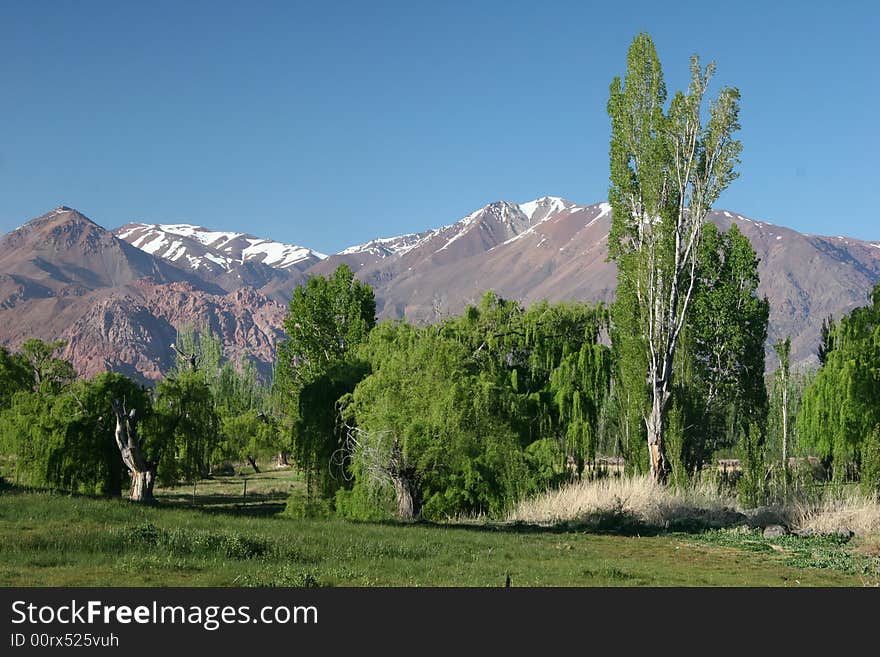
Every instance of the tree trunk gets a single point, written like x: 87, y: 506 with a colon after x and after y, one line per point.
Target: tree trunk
x: 253, y: 462
x: 281, y: 460
x: 405, y: 485
x: 142, y: 470
x: 656, y: 447
x: 142, y: 486
x: 405, y: 509
x: 784, y: 423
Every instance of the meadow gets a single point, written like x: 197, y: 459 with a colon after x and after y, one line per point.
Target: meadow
x: 220, y: 534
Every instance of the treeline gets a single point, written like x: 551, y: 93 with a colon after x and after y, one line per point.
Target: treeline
x: 61, y: 432
x: 465, y: 416
x: 471, y: 414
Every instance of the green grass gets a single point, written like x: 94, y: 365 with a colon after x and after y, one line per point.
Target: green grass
x: 225, y: 540
x: 244, y: 493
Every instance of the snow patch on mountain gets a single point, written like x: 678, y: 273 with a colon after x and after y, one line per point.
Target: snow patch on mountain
x: 207, y: 237
x: 150, y: 243
x: 545, y: 207
x: 278, y: 255
x: 385, y: 247
x: 224, y: 248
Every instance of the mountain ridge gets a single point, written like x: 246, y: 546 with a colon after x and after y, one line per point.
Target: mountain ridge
x: 118, y: 303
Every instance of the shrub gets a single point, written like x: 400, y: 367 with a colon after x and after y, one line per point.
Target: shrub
x: 870, y: 474
x: 301, y: 505
x: 144, y: 534
x: 364, y: 502
x: 238, y: 546
x: 181, y: 541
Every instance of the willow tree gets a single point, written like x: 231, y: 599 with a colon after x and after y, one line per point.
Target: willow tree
x: 580, y: 388
x: 667, y: 169
x: 839, y: 416
x: 328, y: 319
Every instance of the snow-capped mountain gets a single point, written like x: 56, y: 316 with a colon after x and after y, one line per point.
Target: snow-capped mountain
x: 198, y: 248
x: 119, y: 298
x: 494, y: 221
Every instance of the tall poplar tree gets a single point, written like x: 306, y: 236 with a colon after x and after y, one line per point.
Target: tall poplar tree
x: 667, y: 169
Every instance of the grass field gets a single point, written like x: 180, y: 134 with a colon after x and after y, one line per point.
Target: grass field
x: 220, y: 537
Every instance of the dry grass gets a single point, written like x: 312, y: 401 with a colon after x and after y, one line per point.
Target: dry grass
x: 633, y: 499
x: 638, y: 501
x: 851, y: 512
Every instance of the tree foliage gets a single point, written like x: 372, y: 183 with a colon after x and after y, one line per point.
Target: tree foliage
x: 839, y: 411
x: 328, y: 318
x: 15, y: 376
x: 65, y: 440
x: 467, y: 416
x: 186, y: 430
x: 49, y: 374
x: 721, y: 391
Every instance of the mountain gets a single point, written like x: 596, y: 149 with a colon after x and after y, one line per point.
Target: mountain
x: 555, y: 249
x: 64, y: 253
x: 118, y: 307
x: 118, y: 297
x: 524, y: 252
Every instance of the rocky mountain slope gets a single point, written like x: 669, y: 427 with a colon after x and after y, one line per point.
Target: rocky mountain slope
x: 118, y: 307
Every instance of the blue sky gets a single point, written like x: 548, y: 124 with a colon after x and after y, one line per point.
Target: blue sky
x: 328, y: 123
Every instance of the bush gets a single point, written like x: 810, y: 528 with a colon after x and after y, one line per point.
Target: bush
x: 144, y: 534
x: 301, y: 505
x: 238, y: 546
x: 543, y: 458
x: 870, y: 474
x: 366, y: 503
x: 181, y: 541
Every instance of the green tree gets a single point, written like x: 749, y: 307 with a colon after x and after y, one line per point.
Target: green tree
x: 186, y: 432
x: 32, y: 429
x: 15, y: 376
x: 471, y: 414
x: 870, y: 471
x: 67, y: 440
x: 723, y: 343
x: 667, y: 169
x: 783, y: 352
x: 826, y: 339
x: 629, y: 393
x: 49, y: 374
x: 327, y: 320
x: 89, y: 460
x: 432, y: 427
x: 839, y: 410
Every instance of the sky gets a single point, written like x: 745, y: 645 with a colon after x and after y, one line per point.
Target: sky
x: 327, y: 124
